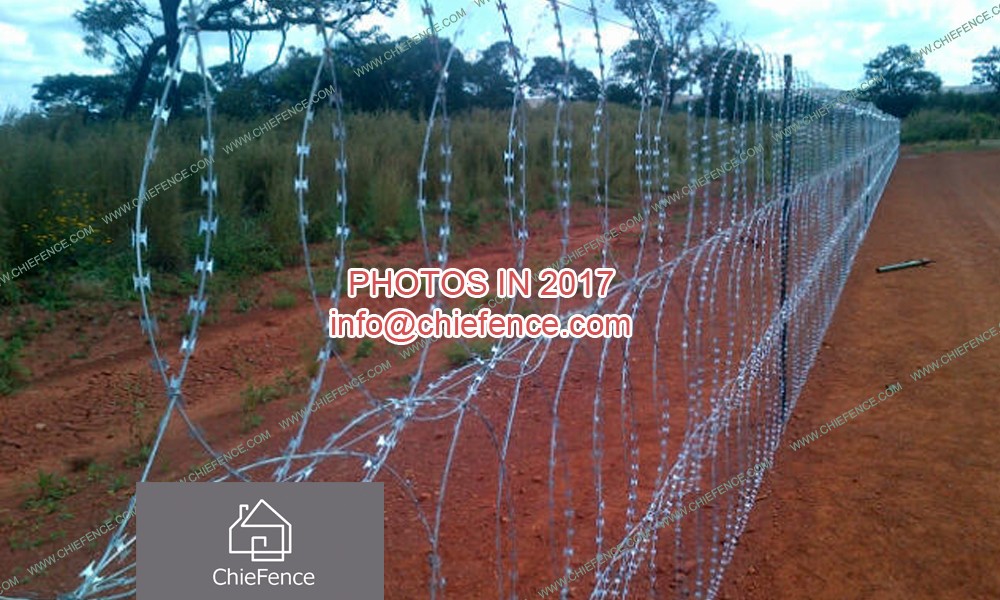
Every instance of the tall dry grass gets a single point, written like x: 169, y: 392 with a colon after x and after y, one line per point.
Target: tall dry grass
x: 59, y: 173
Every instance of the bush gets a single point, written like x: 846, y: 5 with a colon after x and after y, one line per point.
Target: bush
x: 364, y: 349
x: 283, y: 300
x: 938, y: 125
x: 52, y: 490
x: 457, y: 355
x: 12, y: 373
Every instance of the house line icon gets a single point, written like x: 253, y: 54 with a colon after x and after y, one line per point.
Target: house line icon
x: 262, y: 533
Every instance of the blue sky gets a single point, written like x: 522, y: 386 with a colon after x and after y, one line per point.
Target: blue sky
x: 830, y: 39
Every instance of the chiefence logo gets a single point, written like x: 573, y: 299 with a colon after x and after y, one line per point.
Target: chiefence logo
x: 262, y: 533
x: 262, y: 576
x: 267, y: 537
x: 260, y: 541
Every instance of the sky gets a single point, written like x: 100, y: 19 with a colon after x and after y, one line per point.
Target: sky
x: 831, y: 40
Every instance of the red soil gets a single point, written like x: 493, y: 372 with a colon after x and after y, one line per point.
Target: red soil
x: 932, y: 518
x: 903, y: 502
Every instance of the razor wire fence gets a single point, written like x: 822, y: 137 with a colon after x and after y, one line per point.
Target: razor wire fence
x: 508, y: 473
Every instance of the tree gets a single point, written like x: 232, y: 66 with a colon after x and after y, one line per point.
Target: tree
x: 725, y: 75
x: 102, y: 96
x: 548, y: 74
x: 414, y: 83
x: 133, y: 35
x: 903, y: 83
x: 408, y: 81
x: 489, y: 83
x: 987, y: 69
x: 246, y: 97
x: 630, y: 66
x: 621, y: 94
x: 672, y: 25
x: 96, y: 95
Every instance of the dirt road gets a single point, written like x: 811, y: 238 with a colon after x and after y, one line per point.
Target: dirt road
x: 904, y: 501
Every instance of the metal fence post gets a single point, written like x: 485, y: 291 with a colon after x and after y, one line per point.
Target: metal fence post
x: 786, y: 189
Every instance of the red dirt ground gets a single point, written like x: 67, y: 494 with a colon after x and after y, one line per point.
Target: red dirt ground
x: 934, y: 530
x: 903, y: 502
x: 80, y: 411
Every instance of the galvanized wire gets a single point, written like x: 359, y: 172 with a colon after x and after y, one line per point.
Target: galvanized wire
x: 732, y: 285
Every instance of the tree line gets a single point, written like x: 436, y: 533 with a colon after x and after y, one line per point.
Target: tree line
x: 672, y: 56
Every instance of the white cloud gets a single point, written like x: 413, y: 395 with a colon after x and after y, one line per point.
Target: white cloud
x: 15, y: 47
x: 29, y: 11
x: 790, y: 10
x: 833, y: 40
x: 405, y: 21
x: 829, y: 39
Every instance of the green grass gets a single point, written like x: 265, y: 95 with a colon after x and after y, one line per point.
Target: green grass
x: 364, y: 349
x: 936, y: 125
x: 13, y: 375
x: 118, y: 483
x: 51, y: 490
x: 139, y: 456
x: 96, y: 471
x: 952, y: 146
x: 23, y: 542
x: 458, y: 354
x: 246, y: 303
x: 283, y: 300
x: 255, y: 397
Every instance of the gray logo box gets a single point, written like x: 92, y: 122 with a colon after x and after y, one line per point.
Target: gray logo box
x: 192, y: 537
